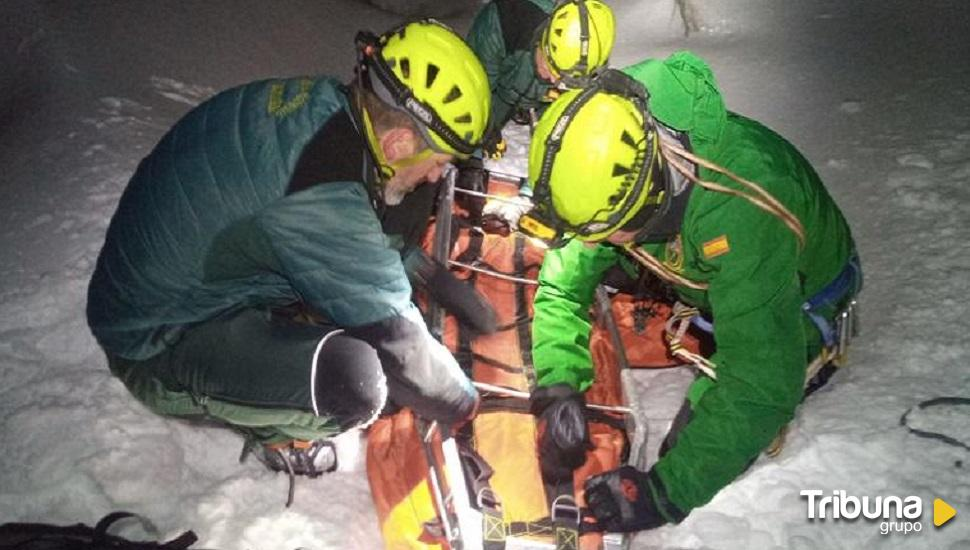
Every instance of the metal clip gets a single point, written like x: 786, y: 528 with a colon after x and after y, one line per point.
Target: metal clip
x: 565, y: 506
x: 846, y: 328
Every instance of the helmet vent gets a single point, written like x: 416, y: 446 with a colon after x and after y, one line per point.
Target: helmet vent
x: 432, y: 74
x: 558, y: 32
x: 616, y: 198
x: 628, y: 139
x: 406, y: 68
x: 464, y: 119
x: 454, y: 94
x: 620, y: 170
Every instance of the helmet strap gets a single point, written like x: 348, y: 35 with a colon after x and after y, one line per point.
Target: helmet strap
x: 576, y: 76
x: 365, y: 126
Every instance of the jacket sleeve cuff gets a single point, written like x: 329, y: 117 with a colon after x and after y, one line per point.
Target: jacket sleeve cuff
x: 658, y: 493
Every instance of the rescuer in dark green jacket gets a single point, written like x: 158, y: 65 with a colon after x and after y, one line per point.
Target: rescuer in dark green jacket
x: 285, y: 200
x: 531, y: 49
x: 766, y: 256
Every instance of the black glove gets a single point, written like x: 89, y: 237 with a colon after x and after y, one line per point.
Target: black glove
x: 454, y: 295
x: 563, y: 434
x: 494, y: 145
x: 623, y: 500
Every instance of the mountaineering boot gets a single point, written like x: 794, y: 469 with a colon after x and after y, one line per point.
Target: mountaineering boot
x: 294, y: 457
x: 298, y: 457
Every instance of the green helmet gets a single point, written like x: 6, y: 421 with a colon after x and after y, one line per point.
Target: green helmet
x: 578, y: 39
x: 594, y: 162
x: 427, y: 70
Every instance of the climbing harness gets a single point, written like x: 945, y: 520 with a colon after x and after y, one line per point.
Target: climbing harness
x: 836, y: 334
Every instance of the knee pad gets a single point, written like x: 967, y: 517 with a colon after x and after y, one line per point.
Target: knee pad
x: 349, y: 383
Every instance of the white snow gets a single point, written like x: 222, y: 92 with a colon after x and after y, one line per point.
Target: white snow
x: 875, y: 93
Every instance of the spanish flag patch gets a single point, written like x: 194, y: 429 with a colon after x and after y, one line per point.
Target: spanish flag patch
x: 716, y: 247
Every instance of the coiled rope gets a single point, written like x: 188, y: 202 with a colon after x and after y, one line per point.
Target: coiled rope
x: 675, y: 155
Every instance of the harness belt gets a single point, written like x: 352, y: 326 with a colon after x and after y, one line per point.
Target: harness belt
x: 846, y: 285
x: 843, y: 289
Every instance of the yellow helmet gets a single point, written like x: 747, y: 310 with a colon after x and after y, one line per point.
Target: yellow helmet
x: 428, y: 71
x: 594, y: 162
x: 578, y: 39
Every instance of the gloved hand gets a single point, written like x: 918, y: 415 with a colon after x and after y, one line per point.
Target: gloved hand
x: 494, y: 145
x: 622, y: 500
x: 563, y: 434
x: 508, y: 210
x: 454, y: 295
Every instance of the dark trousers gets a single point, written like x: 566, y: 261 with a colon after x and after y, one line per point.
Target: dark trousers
x: 264, y: 373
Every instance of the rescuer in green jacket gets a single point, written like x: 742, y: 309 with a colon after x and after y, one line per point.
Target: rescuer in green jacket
x: 287, y: 200
x: 531, y: 49
x: 529, y: 46
x: 647, y: 164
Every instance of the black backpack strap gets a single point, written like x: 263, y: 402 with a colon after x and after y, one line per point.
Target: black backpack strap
x: 43, y: 536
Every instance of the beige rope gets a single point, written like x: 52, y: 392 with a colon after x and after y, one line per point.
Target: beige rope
x: 660, y: 270
x: 763, y: 200
x: 681, y: 316
x: 760, y: 198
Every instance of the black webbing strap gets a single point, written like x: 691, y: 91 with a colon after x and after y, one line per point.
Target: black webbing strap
x: 84, y: 537
x: 465, y: 355
x: 522, y: 311
x: 936, y: 435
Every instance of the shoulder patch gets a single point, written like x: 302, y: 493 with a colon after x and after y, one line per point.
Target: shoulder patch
x: 281, y: 107
x: 674, y: 255
x: 716, y: 247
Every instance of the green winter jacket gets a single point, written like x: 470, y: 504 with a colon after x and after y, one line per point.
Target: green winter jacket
x: 758, y: 274
x: 207, y: 225
x: 258, y: 197
x: 503, y: 35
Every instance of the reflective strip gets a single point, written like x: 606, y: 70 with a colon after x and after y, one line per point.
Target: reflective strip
x: 313, y: 368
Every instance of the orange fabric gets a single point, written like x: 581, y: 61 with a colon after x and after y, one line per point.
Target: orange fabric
x: 641, y: 326
x: 397, y: 472
x: 506, y: 439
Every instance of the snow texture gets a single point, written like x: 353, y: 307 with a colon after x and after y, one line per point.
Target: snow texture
x: 873, y: 92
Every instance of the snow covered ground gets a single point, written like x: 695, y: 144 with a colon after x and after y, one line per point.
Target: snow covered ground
x: 876, y: 93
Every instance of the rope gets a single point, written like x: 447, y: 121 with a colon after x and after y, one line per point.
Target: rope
x: 760, y: 198
x: 763, y: 199
x: 660, y: 270
x: 681, y: 316
x: 937, y: 401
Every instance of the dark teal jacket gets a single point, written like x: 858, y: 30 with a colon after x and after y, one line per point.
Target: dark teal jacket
x: 503, y: 35
x: 229, y: 211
